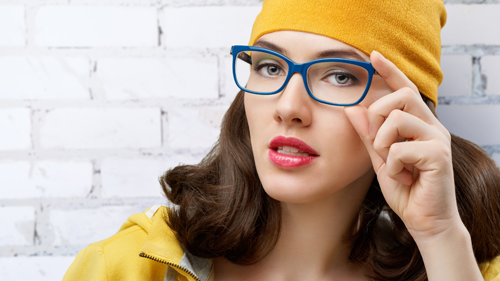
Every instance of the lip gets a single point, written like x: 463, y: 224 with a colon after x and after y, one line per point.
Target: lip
x: 290, y: 161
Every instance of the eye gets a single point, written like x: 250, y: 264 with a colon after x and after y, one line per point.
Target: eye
x: 269, y: 70
x: 341, y: 79
x: 272, y: 70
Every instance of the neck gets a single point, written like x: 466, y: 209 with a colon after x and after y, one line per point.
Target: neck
x: 316, y: 235
x: 314, y: 240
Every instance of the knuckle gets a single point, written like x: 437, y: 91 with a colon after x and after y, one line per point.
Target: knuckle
x: 395, y: 115
x: 377, y: 145
x: 395, y: 150
x: 408, y: 93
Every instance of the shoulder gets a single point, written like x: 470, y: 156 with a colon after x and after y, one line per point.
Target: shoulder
x: 491, y: 269
x: 117, y: 257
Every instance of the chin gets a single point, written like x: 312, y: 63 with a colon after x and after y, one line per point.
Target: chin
x: 297, y: 191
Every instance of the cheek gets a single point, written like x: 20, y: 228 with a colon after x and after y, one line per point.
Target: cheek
x: 258, y: 113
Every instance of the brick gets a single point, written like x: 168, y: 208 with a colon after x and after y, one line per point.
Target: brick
x: 12, y: 26
x: 85, y: 226
x: 230, y: 89
x: 94, y: 26
x: 45, y: 179
x: 37, y: 78
x: 127, y: 177
x: 15, y: 128
x: 144, y: 78
x: 18, y: 226
x: 131, y: 177
x: 203, y: 126
x: 490, y: 66
x: 457, y: 71
x: 477, y: 123
x: 101, y: 128
x: 41, y: 268
x: 206, y: 27
x: 496, y: 157
x: 472, y: 24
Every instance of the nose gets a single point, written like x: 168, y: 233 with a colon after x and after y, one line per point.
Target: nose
x: 294, y: 105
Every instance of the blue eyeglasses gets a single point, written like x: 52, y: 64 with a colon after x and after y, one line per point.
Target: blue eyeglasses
x: 334, y: 81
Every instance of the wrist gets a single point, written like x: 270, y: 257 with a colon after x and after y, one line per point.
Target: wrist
x: 428, y: 230
x: 449, y: 255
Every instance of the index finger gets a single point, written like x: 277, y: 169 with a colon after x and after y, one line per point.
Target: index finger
x: 394, y: 77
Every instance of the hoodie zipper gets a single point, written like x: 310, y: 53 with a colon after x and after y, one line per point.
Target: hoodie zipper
x: 170, y: 264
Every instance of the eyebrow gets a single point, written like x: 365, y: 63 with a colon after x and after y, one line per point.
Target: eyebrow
x: 269, y: 46
x: 348, y: 54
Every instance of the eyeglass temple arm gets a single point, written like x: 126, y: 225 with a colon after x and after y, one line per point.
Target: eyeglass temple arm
x: 243, y: 56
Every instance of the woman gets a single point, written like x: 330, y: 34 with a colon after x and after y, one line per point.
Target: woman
x: 329, y: 166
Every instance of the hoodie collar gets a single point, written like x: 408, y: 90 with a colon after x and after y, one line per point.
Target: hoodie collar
x: 162, y: 246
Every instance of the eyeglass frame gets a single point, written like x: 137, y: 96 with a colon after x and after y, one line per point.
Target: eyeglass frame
x: 301, y: 68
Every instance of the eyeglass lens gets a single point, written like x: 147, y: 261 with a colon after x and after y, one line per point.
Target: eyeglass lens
x: 334, y: 82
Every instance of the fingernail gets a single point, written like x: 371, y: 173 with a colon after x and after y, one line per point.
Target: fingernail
x: 381, y: 56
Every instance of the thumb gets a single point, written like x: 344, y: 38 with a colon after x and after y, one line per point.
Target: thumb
x: 358, y: 116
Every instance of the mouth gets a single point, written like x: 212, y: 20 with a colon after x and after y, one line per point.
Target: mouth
x: 291, y: 146
x: 290, y: 152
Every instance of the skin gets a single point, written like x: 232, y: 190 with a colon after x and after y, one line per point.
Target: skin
x: 321, y: 201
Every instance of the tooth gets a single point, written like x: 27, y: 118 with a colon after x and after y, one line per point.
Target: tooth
x: 294, y: 149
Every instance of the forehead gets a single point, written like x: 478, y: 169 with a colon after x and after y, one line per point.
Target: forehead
x: 303, y: 46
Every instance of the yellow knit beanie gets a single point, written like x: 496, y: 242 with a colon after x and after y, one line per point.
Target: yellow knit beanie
x: 407, y: 32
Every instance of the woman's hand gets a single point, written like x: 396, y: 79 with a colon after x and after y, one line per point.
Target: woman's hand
x: 416, y: 175
x: 411, y: 154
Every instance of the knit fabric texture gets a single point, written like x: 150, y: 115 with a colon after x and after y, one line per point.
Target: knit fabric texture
x: 407, y: 32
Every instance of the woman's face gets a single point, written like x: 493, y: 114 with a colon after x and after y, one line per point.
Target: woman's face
x: 342, y: 162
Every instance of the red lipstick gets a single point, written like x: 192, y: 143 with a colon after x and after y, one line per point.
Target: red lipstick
x: 290, y: 161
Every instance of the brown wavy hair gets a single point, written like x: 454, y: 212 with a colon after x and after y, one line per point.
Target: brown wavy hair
x: 223, y: 211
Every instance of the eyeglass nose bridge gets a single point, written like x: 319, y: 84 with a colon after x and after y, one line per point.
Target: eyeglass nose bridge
x: 293, y: 68
x: 300, y: 68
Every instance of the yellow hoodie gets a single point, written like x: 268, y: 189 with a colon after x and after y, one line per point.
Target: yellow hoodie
x: 146, y: 249
x: 143, y: 249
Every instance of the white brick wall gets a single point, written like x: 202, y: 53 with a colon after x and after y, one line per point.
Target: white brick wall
x: 46, y: 179
x: 122, y: 177
x: 18, y: 225
x: 85, y: 226
x: 12, y: 26
x: 477, y: 123
x: 35, y: 78
x: 457, y: 72
x: 496, y: 157
x: 491, y: 69
x: 196, y: 28
x: 97, y: 26
x: 46, y: 268
x: 75, y: 128
x: 205, y: 120
x: 132, y: 177
x: 472, y: 24
x: 99, y: 97
x: 230, y: 89
x: 145, y: 78
x: 15, y: 128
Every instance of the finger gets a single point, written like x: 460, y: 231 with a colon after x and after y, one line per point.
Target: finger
x: 358, y: 117
x: 426, y: 156
x: 394, y: 77
x: 404, y: 100
x: 395, y: 166
x: 404, y: 125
